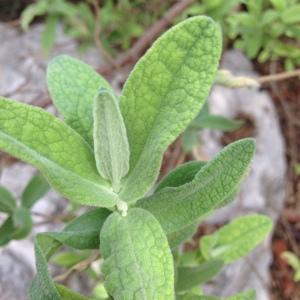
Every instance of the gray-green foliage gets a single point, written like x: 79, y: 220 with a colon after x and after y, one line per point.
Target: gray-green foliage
x: 18, y: 222
x: 108, y: 154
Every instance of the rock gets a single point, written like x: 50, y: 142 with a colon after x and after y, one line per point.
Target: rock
x: 263, y: 191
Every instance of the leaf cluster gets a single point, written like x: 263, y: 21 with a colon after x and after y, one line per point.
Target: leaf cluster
x: 18, y: 222
x: 107, y: 153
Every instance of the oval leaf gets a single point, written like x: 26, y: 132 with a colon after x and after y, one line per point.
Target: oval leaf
x: 236, y: 239
x: 35, y: 189
x: 7, y: 201
x: 164, y: 93
x: 138, y: 263
x: 110, y: 138
x: 66, y: 160
x: 73, y: 86
x: 177, y: 207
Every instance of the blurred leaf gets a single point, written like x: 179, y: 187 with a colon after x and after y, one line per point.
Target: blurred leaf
x: 69, y: 259
x: 189, y: 277
x: 291, y: 14
x: 236, y: 239
x: 181, y: 175
x: 7, y: 201
x: 190, y: 138
x: 6, y: 231
x: 49, y: 34
x: 37, y: 9
x: 35, y: 190
x: 22, y: 223
x: 294, y: 262
x: 279, y: 4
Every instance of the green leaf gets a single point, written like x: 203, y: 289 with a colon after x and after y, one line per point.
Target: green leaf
x: 73, y: 86
x: 249, y: 295
x: 177, y: 207
x: 49, y: 33
x: 190, y: 139
x: 189, y: 277
x: 7, y: 201
x: 218, y: 123
x: 291, y: 14
x: 22, y: 223
x: 181, y: 175
x: 164, y: 93
x: 82, y: 233
x: 110, y: 139
x: 177, y: 177
x: 294, y: 262
x: 67, y: 294
x: 65, y: 159
x: 138, y: 263
x: 236, y: 239
x: 37, y: 9
x: 35, y: 189
x: 279, y: 4
x: 177, y: 237
x: 42, y: 287
x: 68, y: 259
x: 6, y: 231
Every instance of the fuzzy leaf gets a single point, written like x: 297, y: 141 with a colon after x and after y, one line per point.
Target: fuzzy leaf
x: 177, y: 207
x: 7, y: 201
x: 35, y: 189
x: 73, y: 86
x: 82, y: 233
x: 138, y: 263
x: 22, y: 223
x: 65, y: 159
x: 110, y: 138
x: 236, y: 239
x: 164, y: 93
x: 189, y: 277
x: 181, y: 175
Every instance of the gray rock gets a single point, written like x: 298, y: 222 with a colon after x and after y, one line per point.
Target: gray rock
x: 263, y: 191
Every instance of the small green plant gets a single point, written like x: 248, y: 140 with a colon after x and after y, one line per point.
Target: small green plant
x: 294, y: 262
x: 18, y: 222
x: 268, y: 30
x: 111, y: 26
x: 107, y: 154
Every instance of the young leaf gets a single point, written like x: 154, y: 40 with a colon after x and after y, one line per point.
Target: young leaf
x: 22, y: 223
x: 177, y: 177
x: 110, y: 138
x: 138, y: 263
x: 73, y: 86
x: 82, y: 233
x: 7, y: 201
x: 35, y: 189
x: 236, y: 239
x: 163, y: 94
x: 42, y: 287
x: 67, y: 294
x: 181, y: 175
x: 49, y: 33
x: 189, y: 277
x: 177, y: 207
x: 63, y: 157
x: 6, y: 231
